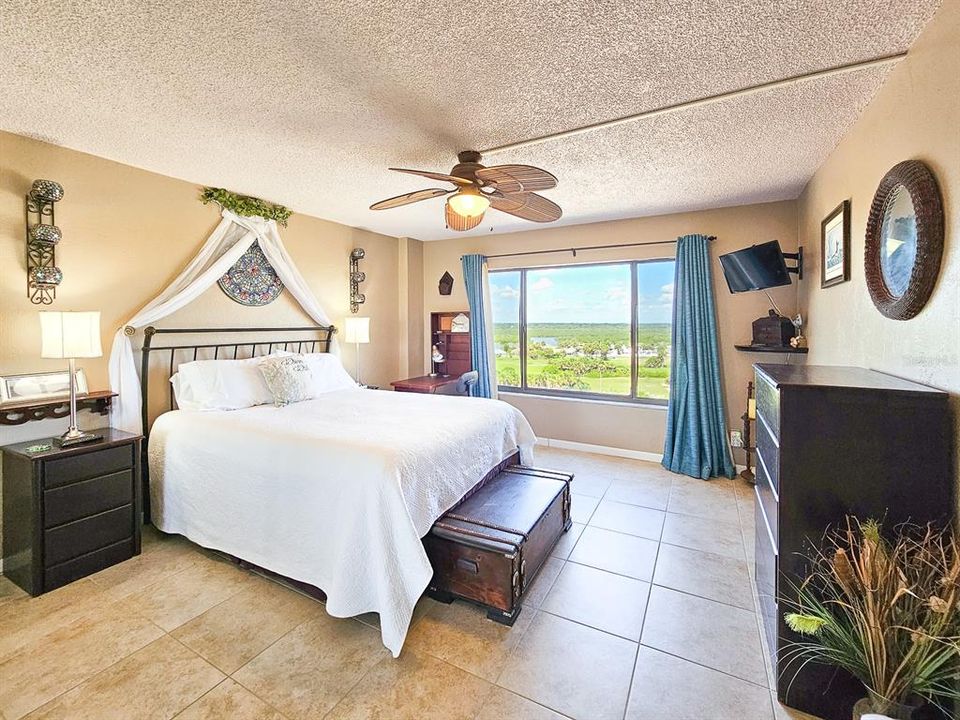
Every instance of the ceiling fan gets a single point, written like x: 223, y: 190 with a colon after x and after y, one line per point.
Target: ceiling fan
x: 507, y: 188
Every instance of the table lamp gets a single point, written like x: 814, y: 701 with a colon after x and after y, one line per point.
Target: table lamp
x: 71, y: 335
x: 357, y: 331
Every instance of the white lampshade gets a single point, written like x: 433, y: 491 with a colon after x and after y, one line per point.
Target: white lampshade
x: 357, y: 330
x: 70, y: 334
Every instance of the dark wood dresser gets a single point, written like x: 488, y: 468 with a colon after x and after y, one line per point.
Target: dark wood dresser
x: 70, y: 512
x: 833, y: 441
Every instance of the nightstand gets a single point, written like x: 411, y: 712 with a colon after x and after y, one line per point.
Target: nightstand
x: 69, y: 512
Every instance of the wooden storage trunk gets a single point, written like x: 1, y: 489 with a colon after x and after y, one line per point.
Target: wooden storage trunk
x: 489, y: 548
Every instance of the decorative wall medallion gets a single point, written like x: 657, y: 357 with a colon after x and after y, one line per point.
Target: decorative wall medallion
x: 446, y: 283
x: 252, y: 280
x: 904, y: 242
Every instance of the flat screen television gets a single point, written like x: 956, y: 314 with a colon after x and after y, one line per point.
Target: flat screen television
x: 755, y: 268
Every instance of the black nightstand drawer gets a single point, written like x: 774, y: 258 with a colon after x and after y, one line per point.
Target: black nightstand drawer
x: 87, y: 465
x: 84, y: 565
x: 87, y: 497
x: 82, y: 536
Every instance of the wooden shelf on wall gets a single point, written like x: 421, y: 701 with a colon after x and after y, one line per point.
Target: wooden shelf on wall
x: 767, y: 349
x: 17, y: 413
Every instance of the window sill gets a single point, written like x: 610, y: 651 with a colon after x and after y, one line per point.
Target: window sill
x: 625, y: 402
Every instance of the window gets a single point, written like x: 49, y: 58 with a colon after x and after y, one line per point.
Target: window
x: 589, y: 330
x: 505, y: 302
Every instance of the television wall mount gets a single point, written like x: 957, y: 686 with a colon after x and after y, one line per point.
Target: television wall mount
x: 798, y: 268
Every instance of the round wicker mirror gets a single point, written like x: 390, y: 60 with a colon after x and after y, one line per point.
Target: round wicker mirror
x: 904, y: 240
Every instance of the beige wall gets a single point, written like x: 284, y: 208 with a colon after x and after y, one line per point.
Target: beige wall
x: 915, y: 115
x: 411, y: 307
x: 128, y: 232
x: 631, y: 427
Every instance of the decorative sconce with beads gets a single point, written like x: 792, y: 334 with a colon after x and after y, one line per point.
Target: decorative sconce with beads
x: 357, y: 276
x: 43, y: 275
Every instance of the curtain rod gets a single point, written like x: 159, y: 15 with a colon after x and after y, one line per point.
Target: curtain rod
x: 708, y: 100
x: 575, y: 250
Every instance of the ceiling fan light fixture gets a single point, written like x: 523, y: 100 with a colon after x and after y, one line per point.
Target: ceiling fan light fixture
x: 469, y: 202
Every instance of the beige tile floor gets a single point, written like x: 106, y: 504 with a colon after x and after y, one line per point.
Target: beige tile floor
x: 645, y: 611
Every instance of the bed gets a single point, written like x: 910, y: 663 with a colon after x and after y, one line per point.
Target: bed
x: 336, y: 491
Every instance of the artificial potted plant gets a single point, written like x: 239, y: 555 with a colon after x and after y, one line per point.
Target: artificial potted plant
x: 887, y: 611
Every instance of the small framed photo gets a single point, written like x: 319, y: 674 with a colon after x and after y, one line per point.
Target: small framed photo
x: 39, y: 386
x: 835, y: 246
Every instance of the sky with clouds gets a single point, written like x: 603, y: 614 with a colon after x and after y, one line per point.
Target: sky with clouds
x: 585, y: 294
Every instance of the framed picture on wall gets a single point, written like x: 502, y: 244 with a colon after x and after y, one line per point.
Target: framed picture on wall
x: 835, y: 246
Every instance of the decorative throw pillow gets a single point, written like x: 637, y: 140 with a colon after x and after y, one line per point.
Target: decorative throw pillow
x: 288, y: 379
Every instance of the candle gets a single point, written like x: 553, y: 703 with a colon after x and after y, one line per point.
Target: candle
x: 752, y: 409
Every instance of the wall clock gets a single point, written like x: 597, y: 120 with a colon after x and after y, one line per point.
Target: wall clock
x: 252, y: 280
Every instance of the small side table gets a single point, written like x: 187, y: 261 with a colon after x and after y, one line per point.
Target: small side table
x: 428, y: 384
x: 69, y: 512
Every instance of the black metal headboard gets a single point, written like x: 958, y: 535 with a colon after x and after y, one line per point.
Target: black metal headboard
x: 313, y: 338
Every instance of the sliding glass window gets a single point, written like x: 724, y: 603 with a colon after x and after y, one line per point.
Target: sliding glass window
x: 585, y: 330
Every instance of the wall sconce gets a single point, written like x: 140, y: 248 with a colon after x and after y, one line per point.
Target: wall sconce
x: 357, y: 276
x: 43, y: 275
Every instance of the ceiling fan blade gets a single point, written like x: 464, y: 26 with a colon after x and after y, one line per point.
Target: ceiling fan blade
x: 517, y: 178
x: 459, y: 181
x: 528, y: 206
x: 459, y: 222
x: 408, y: 198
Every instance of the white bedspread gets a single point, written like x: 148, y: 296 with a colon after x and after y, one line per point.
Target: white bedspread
x: 336, y: 491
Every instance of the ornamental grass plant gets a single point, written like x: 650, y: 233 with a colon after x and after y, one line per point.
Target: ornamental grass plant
x: 887, y: 611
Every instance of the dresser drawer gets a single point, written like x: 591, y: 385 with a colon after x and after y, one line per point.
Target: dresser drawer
x: 768, y: 456
x: 82, y: 536
x: 767, y: 567
x: 87, y: 465
x: 768, y: 404
x: 87, y: 497
x: 87, y: 564
x: 769, y: 504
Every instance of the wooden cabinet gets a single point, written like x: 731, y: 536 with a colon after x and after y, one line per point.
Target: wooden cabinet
x: 454, y: 346
x: 70, y: 512
x: 833, y: 441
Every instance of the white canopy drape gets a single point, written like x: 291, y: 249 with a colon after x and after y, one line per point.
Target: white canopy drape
x: 231, y: 239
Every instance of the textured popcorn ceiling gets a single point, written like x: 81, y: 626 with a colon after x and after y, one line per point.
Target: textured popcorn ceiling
x: 308, y: 103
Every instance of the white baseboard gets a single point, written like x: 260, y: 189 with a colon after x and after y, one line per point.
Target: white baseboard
x: 601, y: 449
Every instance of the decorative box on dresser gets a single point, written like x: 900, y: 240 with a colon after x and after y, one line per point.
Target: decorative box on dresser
x: 69, y: 512
x: 832, y: 442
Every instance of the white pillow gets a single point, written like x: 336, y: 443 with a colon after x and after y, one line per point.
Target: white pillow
x: 183, y: 394
x: 220, y: 385
x: 327, y: 373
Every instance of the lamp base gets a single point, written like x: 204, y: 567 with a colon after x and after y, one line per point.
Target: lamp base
x: 75, y: 437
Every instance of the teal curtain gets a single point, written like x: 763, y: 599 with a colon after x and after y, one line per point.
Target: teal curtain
x: 474, y: 274
x: 696, y: 442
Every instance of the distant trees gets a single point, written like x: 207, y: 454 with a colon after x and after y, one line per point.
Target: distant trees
x: 576, y: 356
x: 657, y: 361
x: 508, y: 376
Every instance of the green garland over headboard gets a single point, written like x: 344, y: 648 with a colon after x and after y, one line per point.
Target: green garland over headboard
x: 245, y: 205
